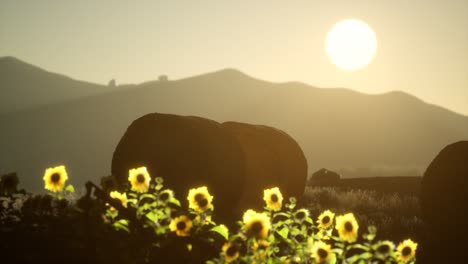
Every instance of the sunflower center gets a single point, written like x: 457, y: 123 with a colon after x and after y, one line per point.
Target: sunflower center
x: 300, y: 215
x: 300, y: 238
x: 256, y: 228
x: 232, y: 250
x: 181, y: 226
x: 348, y: 227
x: 201, y: 200
x: 325, y: 219
x: 383, y: 249
x: 164, y: 196
x: 406, y: 251
x: 55, y: 178
x: 322, y: 253
x: 274, y: 198
x: 140, y: 178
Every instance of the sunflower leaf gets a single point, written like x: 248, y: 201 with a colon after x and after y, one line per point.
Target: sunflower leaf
x: 147, y: 196
x: 358, y: 246
x: 122, y: 225
x: 283, y: 232
x: 175, y: 201
x: 309, y: 220
x: 222, y: 230
x: 353, y: 259
x: 152, y: 216
x: 281, y: 214
x: 70, y: 188
x: 369, y: 237
x: 338, y: 251
x: 366, y: 255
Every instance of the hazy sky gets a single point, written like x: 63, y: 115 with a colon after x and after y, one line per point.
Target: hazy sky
x: 422, y: 44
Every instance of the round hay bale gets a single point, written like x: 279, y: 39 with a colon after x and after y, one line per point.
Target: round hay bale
x: 187, y: 152
x: 272, y: 158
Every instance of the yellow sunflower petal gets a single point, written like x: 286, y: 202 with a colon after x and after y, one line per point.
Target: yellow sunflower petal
x: 347, y: 227
x: 407, y: 250
x: 139, y: 179
x: 199, y: 199
x: 230, y: 252
x: 321, y: 252
x: 301, y: 214
x: 273, y: 198
x: 181, y: 225
x: 55, y: 178
x: 325, y: 219
x: 120, y: 196
x: 256, y: 224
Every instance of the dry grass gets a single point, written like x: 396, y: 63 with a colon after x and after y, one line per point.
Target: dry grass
x: 397, y: 216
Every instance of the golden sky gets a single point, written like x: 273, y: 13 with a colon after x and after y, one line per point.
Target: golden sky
x: 422, y: 44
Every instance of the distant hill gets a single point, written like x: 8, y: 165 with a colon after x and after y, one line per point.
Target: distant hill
x: 25, y: 86
x: 336, y: 128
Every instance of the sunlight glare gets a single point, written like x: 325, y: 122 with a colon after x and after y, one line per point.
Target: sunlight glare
x: 351, y: 44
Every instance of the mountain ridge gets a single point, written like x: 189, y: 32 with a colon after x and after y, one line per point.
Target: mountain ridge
x: 229, y: 71
x: 40, y: 87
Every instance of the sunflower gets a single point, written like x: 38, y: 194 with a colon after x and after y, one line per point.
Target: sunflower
x: 321, y: 252
x: 166, y: 195
x: 406, y: 250
x: 122, y: 197
x: 140, y: 179
x: 181, y: 225
x: 199, y: 199
x: 256, y: 224
x: 384, y: 248
x: 347, y: 227
x: 248, y: 215
x: 325, y: 220
x: 54, y: 178
x: 273, y: 198
x: 301, y: 214
x: 230, y: 252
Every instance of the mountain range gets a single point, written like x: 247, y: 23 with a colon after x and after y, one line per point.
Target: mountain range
x: 49, y: 119
x: 25, y: 86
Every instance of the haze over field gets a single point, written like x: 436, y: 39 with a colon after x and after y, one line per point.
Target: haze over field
x: 367, y: 88
x: 393, y: 133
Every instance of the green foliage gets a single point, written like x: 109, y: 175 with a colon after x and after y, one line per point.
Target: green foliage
x: 300, y: 240
x: 70, y: 188
x: 143, y: 227
x: 222, y: 230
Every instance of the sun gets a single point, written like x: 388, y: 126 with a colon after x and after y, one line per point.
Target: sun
x: 351, y: 44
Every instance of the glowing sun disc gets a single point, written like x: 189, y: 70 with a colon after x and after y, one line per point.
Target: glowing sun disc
x: 351, y: 44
